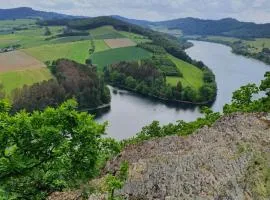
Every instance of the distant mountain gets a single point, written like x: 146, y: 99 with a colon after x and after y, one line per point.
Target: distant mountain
x: 223, y: 27
x: 25, y: 12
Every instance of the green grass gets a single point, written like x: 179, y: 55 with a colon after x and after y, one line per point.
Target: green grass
x: 29, y: 38
x: 135, y: 37
x: 105, y: 32
x: 192, y: 76
x: 77, y: 51
x: 225, y: 39
x: 257, y: 45
x: 16, y: 79
x: 100, y: 45
x: 121, y: 54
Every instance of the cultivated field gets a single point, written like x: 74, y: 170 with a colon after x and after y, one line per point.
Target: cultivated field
x: 18, y: 69
x: 192, y: 76
x: 16, y: 79
x: 105, y: 32
x: 136, y: 37
x: 100, y: 45
x: 18, y: 61
x: 119, y: 43
x: 77, y: 51
x: 111, y: 56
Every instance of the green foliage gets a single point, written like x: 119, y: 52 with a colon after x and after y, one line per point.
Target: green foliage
x: 243, y: 99
x: 116, y: 182
x: 46, y: 151
x: 180, y: 128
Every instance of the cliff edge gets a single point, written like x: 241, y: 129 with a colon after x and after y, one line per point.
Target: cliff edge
x: 230, y: 160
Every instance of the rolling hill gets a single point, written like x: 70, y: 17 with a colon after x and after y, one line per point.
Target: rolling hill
x: 25, y: 12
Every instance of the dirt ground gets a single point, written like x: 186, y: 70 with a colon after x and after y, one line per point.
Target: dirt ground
x: 118, y: 43
x: 17, y: 61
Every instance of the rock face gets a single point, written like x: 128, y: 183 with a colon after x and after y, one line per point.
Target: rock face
x: 230, y: 160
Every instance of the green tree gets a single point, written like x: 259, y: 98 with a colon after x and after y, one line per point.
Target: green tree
x: 41, y: 152
x: 47, y: 31
x: 130, y: 82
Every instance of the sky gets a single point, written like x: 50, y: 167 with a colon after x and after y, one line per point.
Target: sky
x: 154, y: 10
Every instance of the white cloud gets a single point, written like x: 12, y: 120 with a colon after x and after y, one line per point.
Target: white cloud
x: 245, y: 10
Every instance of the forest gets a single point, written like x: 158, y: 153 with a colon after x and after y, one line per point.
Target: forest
x: 147, y: 79
x: 72, y: 80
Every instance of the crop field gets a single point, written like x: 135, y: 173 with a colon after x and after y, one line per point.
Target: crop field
x: 16, y: 79
x: 77, y: 51
x: 17, y: 61
x: 121, y: 54
x: 192, y: 76
x: 28, y: 38
x: 100, y: 45
x: 135, y: 37
x: 18, y: 69
x: 119, y: 43
x: 105, y: 32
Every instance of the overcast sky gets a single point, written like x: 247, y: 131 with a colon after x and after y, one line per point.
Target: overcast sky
x: 154, y: 10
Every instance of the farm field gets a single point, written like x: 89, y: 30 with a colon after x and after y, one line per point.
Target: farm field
x: 119, y: 43
x: 120, y: 54
x: 14, y: 79
x: 100, y: 45
x: 77, y: 51
x: 28, y: 38
x: 192, y: 76
x: 18, y: 69
x: 17, y: 61
x: 105, y: 32
x: 259, y: 44
x: 135, y: 37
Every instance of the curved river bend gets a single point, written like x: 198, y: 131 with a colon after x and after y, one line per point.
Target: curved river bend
x: 130, y: 112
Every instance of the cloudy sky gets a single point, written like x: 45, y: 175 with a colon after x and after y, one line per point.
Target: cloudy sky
x: 155, y: 10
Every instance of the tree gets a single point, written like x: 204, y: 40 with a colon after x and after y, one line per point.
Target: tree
x: 2, y: 92
x: 130, y: 82
x: 179, y: 86
x: 41, y: 152
x: 47, y: 31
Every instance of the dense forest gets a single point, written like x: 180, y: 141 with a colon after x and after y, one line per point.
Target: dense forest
x: 147, y: 78
x: 72, y: 80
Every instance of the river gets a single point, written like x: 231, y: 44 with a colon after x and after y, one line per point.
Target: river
x: 130, y: 112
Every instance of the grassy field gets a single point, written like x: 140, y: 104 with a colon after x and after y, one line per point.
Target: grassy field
x: 121, y: 54
x: 259, y: 44
x: 135, y: 37
x: 192, y: 76
x: 15, y: 79
x: 105, y: 32
x: 77, y: 51
x: 100, y: 45
x: 28, y: 38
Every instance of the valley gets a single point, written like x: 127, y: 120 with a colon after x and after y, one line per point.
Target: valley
x: 102, y: 107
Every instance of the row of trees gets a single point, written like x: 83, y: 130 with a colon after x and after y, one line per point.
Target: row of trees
x: 73, y: 80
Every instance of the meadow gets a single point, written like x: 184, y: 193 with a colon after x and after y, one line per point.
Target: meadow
x: 77, y: 51
x: 120, y: 54
x: 105, y: 32
x: 192, y: 76
x: 15, y: 79
x: 135, y: 37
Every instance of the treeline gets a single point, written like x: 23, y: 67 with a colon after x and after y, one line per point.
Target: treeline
x: 145, y: 78
x: 72, y: 80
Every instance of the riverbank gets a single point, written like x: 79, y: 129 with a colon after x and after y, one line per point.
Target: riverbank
x: 165, y: 100
x: 239, y: 47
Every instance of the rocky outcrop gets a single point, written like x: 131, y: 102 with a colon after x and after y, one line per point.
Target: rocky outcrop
x: 230, y: 160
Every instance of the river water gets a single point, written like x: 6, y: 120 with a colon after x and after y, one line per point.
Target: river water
x: 130, y: 112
